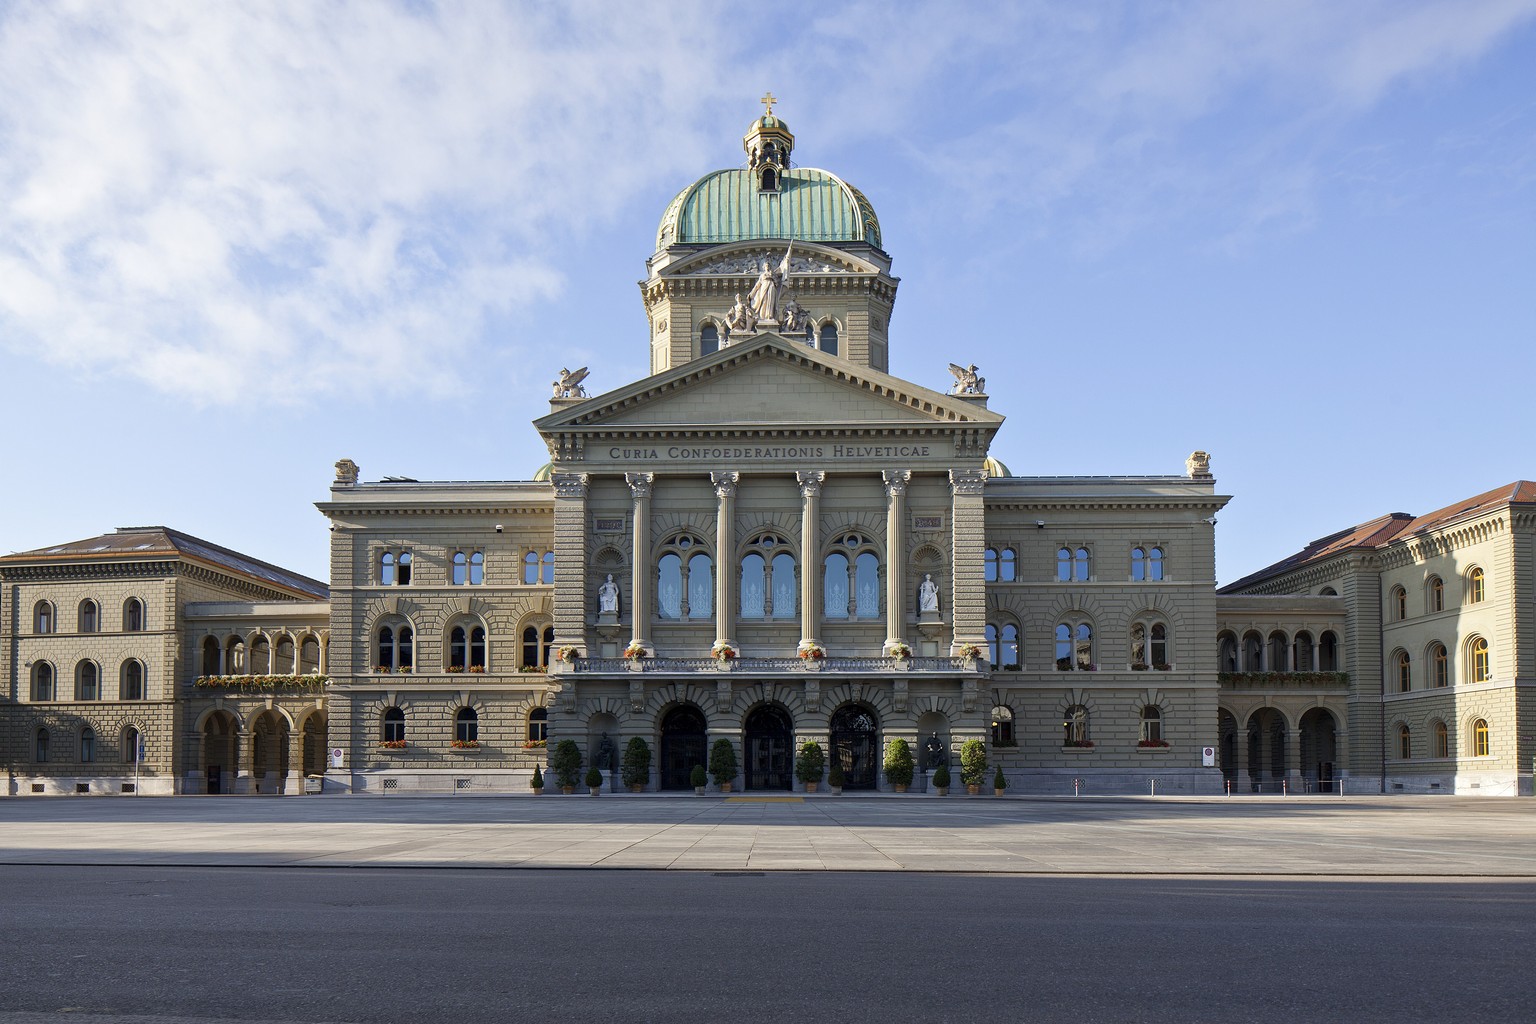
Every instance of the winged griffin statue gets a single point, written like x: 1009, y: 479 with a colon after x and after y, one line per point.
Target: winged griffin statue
x: 569, y: 384
x: 967, y: 380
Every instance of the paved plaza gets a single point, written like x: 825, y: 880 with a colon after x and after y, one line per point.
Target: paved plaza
x: 1297, y: 836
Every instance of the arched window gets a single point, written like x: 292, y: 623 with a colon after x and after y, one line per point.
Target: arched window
x: 709, y: 339
x: 1328, y: 652
x: 1253, y: 652
x: 866, y: 573
x: 284, y: 662
x: 466, y: 726
x: 1440, y: 665
x: 1074, y: 646
x: 1146, y: 564
x: 1151, y: 725
x: 669, y: 586
x: 211, y: 651
x: 1072, y: 565
x: 460, y: 576
x: 1074, y: 725
x: 1327, y: 592
x: 87, y: 681
x: 87, y: 745
x: 309, y: 655
x: 754, y: 586
x: 133, y: 615
x: 1402, y: 672
x: 548, y: 575
x: 1000, y: 566
x: 989, y: 565
x: 1480, y: 744
x: 42, y: 681
x: 1478, y: 668
x: 1398, y: 603
x: 130, y: 747
x: 131, y: 680
x: 387, y: 569
x: 834, y: 589
x: 701, y: 586
x: 786, y: 595
x: 476, y: 568
x: 531, y: 568
x: 1003, y: 646
x: 392, y: 726
x: 90, y: 616
x: 1404, y: 743
x: 403, y: 569
x: 40, y: 746
x: 1436, y: 590
x: 1154, y: 564
x: 1442, y: 740
x: 1278, y: 655
x: 396, y: 648
x: 1149, y: 645
x: 770, y: 180
x: 1002, y: 726
x: 1477, y: 586
x: 466, y: 648
x: 538, y: 725
x: 1301, y: 652
x: 826, y: 338
x: 538, y: 641
x: 42, y: 617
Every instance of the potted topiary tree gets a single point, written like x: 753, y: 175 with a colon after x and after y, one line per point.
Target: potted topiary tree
x: 999, y: 782
x: 808, y: 764
x: 941, y: 780
x: 722, y: 763
x: 899, y: 765
x: 637, y: 764
x: 565, y: 762
x: 835, y: 777
x: 699, y: 778
x: 537, y: 782
x: 594, y: 781
x: 973, y: 765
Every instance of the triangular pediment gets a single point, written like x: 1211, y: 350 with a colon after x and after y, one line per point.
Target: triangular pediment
x: 768, y: 383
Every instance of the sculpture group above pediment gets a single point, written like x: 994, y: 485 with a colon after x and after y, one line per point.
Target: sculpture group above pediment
x: 751, y: 261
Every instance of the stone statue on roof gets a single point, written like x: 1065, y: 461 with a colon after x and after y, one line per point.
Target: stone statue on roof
x: 764, y: 297
x: 740, y: 319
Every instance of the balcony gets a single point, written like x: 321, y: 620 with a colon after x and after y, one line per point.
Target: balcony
x: 766, y: 666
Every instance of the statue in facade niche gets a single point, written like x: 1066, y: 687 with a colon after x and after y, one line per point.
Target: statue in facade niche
x: 569, y: 384
x: 608, y: 597
x: 764, y: 297
x: 605, y: 754
x: 740, y: 320
x: 928, y: 594
x: 967, y: 380
x: 934, y: 753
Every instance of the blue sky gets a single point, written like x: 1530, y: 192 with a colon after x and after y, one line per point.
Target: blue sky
x: 238, y: 243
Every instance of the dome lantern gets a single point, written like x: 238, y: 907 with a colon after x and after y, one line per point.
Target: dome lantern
x: 768, y: 144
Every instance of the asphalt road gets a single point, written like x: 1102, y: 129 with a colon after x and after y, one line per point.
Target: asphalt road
x: 172, y: 944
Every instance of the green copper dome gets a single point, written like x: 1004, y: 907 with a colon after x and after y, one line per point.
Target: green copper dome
x: 810, y: 205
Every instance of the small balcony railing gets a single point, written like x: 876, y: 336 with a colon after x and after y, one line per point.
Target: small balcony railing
x: 866, y: 666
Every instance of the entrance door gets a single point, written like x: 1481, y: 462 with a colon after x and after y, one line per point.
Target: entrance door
x: 215, y: 779
x: 682, y: 746
x: 767, y: 738
x: 856, y: 745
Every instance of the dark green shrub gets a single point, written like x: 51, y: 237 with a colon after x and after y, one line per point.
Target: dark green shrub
x: 722, y: 761
x: 809, y: 762
x: 565, y: 762
x: 637, y: 762
x: 898, y: 763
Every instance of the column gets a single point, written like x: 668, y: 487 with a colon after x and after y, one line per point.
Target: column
x: 640, y: 558
x: 968, y: 533
x: 293, y: 785
x: 895, y: 553
x: 810, y: 552
x: 570, y: 600
x: 725, y: 556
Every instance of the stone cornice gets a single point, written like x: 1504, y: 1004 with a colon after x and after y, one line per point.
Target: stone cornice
x: 67, y: 570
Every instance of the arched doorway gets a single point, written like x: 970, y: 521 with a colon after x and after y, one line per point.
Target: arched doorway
x: 768, y: 738
x: 856, y: 745
x: 221, y: 752
x: 314, y: 737
x: 1226, y: 732
x: 1319, y: 747
x: 1266, y: 747
x: 682, y: 746
x: 269, y: 753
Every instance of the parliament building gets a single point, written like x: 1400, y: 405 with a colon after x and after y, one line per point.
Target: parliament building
x: 769, y: 540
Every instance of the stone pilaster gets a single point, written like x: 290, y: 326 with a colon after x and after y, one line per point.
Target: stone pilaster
x: 895, y: 553
x: 725, y: 557
x: 968, y: 596
x: 810, y: 552
x: 570, y: 602
x: 640, y: 569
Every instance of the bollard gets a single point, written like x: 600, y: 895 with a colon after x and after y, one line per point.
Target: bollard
x: 1154, y: 787
x: 1284, y: 790
x: 1229, y: 787
x: 1075, y: 787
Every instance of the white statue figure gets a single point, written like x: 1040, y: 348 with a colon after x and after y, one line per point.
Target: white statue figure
x: 764, y: 297
x: 967, y: 380
x: 740, y: 319
x: 569, y: 384
x: 794, y: 318
x: 928, y: 594
x: 608, y: 597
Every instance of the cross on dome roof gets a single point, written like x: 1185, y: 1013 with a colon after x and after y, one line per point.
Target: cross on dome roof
x: 768, y: 100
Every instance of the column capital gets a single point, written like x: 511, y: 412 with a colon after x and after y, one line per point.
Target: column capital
x: 810, y: 481
x: 569, y: 485
x: 896, y: 482
x: 640, y: 483
x: 967, y: 481
x: 725, y: 484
